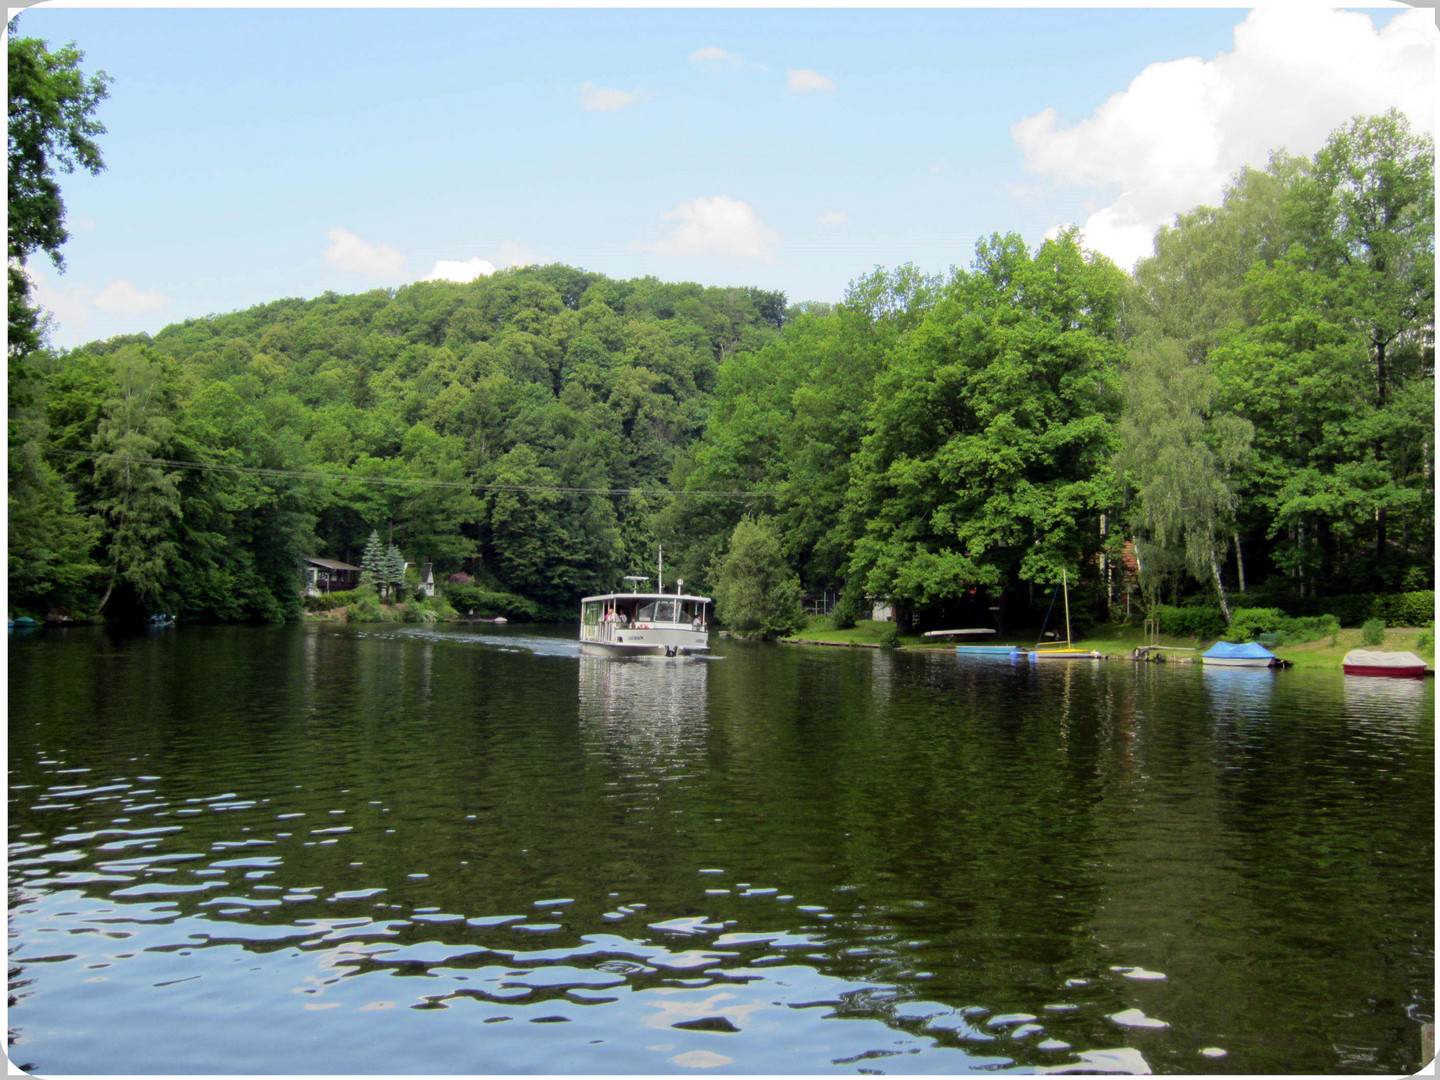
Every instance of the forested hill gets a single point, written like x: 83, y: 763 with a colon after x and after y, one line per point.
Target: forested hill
x: 484, y: 425
x: 1250, y: 413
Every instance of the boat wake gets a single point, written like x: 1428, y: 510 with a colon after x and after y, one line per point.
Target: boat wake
x: 535, y: 644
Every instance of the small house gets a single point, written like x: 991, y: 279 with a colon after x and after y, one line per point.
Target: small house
x: 329, y: 575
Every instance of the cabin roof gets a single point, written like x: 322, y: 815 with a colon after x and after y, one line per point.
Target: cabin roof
x: 330, y: 564
x: 644, y: 596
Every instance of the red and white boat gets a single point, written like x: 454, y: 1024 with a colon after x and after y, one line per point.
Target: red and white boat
x: 1396, y: 665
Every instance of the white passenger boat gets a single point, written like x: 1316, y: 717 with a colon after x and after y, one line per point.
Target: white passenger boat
x: 639, y: 623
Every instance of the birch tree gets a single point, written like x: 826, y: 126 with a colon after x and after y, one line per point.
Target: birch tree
x: 1181, y: 455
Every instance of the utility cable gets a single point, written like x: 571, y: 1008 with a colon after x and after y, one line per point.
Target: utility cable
x: 462, y: 485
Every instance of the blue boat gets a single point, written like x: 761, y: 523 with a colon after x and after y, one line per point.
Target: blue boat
x: 1226, y: 654
x: 1005, y: 652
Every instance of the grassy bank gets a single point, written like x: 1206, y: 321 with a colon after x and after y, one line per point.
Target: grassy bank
x: 1121, y: 640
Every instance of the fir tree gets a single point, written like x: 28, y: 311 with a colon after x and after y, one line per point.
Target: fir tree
x: 372, y: 563
x: 394, y: 571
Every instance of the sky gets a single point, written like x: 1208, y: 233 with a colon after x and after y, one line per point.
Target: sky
x: 254, y: 154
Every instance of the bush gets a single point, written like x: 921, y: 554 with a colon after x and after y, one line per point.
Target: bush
x: 330, y: 601
x: 1247, y: 624
x: 430, y: 609
x: 890, y: 639
x: 1373, y: 632
x: 1311, y: 628
x: 366, y: 606
x: 1397, y: 609
x: 1196, y: 622
x: 468, y: 597
x: 846, y: 613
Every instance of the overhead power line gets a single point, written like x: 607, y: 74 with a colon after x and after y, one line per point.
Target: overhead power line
x: 459, y: 485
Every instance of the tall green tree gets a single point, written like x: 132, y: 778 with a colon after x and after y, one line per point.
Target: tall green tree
x: 372, y: 562
x: 987, y: 459
x: 789, y: 418
x: 51, y: 129
x: 137, y: 497
x: 49, y: 554
x: 393, y: 571
x: 1181, y: 456
x: 1336, y: 363
x: 1191, y: 289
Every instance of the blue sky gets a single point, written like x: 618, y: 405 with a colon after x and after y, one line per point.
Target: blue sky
x: 254, y: 154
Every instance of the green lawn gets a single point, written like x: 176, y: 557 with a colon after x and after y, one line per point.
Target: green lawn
x: 864, y: 632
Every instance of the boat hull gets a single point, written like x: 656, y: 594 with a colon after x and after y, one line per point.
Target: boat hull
x: 1386, y: 672
x: 642, y: 650
x: 1236, y: 661
x: 1003, y: 652
x: 1063, y: 654
x: 1379, y: 662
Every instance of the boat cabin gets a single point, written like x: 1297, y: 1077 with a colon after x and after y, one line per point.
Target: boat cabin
x: 640, y: 610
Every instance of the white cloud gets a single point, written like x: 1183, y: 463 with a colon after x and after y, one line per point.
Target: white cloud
x: 835, y: 217
x: 1183, y: 128
x: 465, y: 270
x: 73, y: 308
x: 713, y: 57
x: 123, y: 299
x: 804, y: 81
x: 349, y: 253
x: 455, y: 270
x: 716, y: 226
x: 598, y: 99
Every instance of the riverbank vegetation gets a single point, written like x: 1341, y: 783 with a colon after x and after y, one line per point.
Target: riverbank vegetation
x: 1244, y: 422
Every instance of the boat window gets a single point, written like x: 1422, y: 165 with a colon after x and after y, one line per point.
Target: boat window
x: 646, y: 612
x: 665, y: 611
x: 691, y: 611
x: 592, y: 614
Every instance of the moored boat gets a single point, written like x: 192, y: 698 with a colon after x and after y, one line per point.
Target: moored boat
x: 1067, y: 651
x: 1395, y: 665
x: 1229, y: 654
x: 1062, y: 652
x: 1004, y: 652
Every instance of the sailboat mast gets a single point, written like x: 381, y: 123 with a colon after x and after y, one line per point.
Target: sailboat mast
x: 1065, y: 584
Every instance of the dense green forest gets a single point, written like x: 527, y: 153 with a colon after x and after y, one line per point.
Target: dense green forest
x: 1251, y: 411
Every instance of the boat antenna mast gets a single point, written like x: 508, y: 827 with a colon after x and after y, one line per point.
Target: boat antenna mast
x: 660, y: 568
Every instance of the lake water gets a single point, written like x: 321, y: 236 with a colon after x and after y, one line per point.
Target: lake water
x: 395, y: 849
